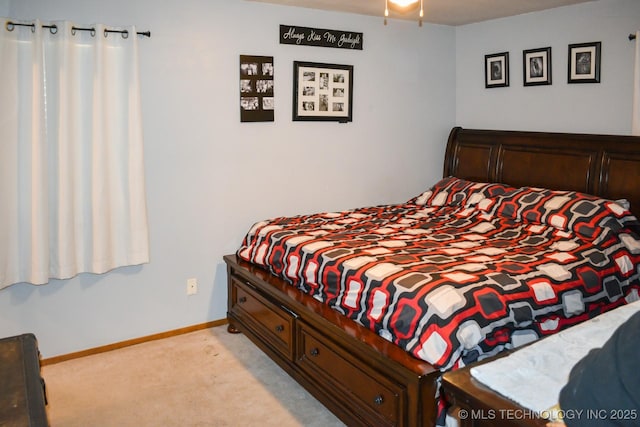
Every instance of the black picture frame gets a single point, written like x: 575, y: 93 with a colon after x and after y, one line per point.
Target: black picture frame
x: 496, y: 70
x: 536, y: 66
x: 584, y: 63
x: 322, y: 92
x: 256, y: 88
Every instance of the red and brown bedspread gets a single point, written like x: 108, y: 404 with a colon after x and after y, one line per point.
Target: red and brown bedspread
x: 463, y: 270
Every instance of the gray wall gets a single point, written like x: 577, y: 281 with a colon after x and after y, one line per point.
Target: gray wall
x: 591, y: 108
x: 209, y: 177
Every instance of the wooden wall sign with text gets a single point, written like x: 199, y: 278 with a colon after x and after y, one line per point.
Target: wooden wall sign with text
x: 290, y: 34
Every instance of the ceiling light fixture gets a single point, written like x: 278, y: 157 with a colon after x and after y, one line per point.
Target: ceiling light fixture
x: 402, y: 6
x: 404, y: 3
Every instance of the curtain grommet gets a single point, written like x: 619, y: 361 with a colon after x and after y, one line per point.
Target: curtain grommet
x: 92, y: 31
x: 10, y: 26
x: 53, y: 29
x: 125, y: 34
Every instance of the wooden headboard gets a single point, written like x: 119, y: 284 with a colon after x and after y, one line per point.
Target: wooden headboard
x: 604, y: 165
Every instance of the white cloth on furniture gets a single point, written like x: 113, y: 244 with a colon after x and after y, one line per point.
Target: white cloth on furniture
x: 534, y: 375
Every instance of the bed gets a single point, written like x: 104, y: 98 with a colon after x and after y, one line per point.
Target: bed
x: 366, y: 308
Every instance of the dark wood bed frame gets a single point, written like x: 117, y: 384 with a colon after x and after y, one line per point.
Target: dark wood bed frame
x: 362, y: 378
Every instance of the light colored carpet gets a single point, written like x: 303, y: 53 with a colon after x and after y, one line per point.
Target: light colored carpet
x: 203, y: 378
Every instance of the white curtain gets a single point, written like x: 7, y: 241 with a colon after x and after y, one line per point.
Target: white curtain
x: 71, y: 156
x: 635, y: 121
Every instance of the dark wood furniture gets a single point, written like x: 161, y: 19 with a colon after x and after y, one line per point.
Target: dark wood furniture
x: 604, y: 165
x: 476, y: 405
x: 364, y: 379
x: 22, y: 394
x: 344, y: 365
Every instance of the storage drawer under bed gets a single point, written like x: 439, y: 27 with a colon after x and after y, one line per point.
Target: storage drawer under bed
x: 368, y: 384
x: 337, y: 370
x: 273, y: 323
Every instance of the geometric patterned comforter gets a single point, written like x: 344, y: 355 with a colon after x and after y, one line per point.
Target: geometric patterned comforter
x: 463, y: 270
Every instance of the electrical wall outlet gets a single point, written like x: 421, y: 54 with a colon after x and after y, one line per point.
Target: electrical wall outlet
x: 192, y: 286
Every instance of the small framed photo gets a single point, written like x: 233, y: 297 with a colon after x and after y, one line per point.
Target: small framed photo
x: 496, y: 70
x: 256, y: 88
x: 536, y: 66
x: 584, y: 63
x: 322, y: 92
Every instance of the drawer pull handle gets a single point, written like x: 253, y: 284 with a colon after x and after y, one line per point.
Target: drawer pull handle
x: 314, y: 352
x: 279, y: 328
x: 378, y: 400
x: 242, y: 300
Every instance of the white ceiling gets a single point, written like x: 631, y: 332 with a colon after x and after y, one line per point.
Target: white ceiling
x: 447, y: 12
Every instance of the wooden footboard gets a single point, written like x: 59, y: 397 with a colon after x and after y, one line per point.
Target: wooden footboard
x: 362, y: 378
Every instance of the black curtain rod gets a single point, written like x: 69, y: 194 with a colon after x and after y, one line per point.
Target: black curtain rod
x: 632, y: 36
x: 54, y: 29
